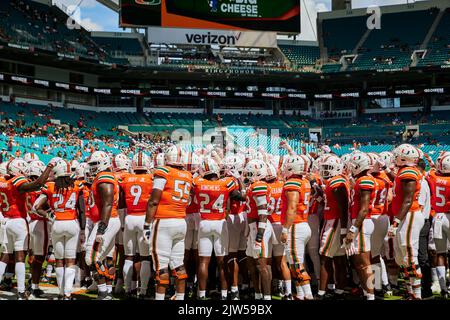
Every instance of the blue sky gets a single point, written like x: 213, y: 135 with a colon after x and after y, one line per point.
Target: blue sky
x: 96, y: 17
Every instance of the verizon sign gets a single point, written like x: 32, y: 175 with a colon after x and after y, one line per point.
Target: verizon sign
x: 213, y: 37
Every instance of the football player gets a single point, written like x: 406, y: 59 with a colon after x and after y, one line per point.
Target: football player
x: 66, y: 202
x: 105, y: 192
x: 336, y: 198
x: 259, y: 244
x: 408, y: 219
x: 357, y: 241
x: 13, y: 196
x: 165, y: 224
x: 38, y: 229
x: 296, y: 232
x: 212, y: 194
x: 135, y: 193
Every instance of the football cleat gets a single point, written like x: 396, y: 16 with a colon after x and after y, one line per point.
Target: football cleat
x: 6, y: 284
x: 36, y: 293
x: 287, y: 297
x: 22, y: 295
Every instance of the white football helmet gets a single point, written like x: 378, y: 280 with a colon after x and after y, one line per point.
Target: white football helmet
x: 74, y: 165
x: 30, y: 156
x: 174, y: 156
x: 209, y: 166
x: 388, y: 158
x: 141, y: 161
x: 81, y: 169
x: 35, y: 168
x: 17, y: 167
x: 99, y: 161
x: 407, y: 155
x: 120, y: 162
x: 330, y: 167
x: 3, y: 170
x: 294, y: 165
x: 271, y: 172
x: 62, y: 168
x: 192, y: 162
x: 159, y: 160
x: 443, y: 163
x: 255, y: 170
x: 359, y: 162
x: 233, y: 163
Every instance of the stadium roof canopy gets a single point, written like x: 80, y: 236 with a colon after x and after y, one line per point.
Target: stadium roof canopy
x: 111, y: 4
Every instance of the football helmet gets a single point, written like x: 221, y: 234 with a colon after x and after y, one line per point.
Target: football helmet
x: 74, y: 165
x: 88, y: 177
x: 3, y: 170
x: 255, y: 170
x: 35, y: 168
x: 443, y: 163
x: 62, y: 168
x: 81, y: 169
x: 99, y: 161
x: 388, y: 158
x: 271, y: 172
x: 294, y: 165
x: 159, y: 160
x: 174, y: 156
x: 209, y: 166
x: 233, y: 163
x: 141, y: 161
x: 30, y: 156
x: 407, y: 155
x: 120, y: 162
x: 359, y: 162
x: 331, y: 166
x: 17, y: 167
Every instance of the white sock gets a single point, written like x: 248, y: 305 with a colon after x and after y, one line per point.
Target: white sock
x: 224, y: 293
x: 128, y: 274
x: 234, y: 289
x: 440, y: 270
x: 321, y: 292
x: 434, y: 275
x: 2, y: 269
x: 109, y: 288
x: 258, y: 296
x: 300, y: 293
x: 307, y: 291
x: 287, y: 287
x: 331, y: 286
x: 376, y: 269
x: 35, y: 286
x: 134, y: 285
x: 417, y: 289
x: 69, y: 277
x: 267, y: 297
x: 159, y: 296
x: 179, y: 296
x: 77, y: 274
x: 60, y: 279
x: 49, y: 270
x: 102, y: 287
x: 201, y: 293
x: 370, y: 296
x: 20, y: 276
x: 384, y: 276
x: 145, y: 276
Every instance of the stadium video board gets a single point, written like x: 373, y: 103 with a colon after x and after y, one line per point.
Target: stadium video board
x: 282, y: 16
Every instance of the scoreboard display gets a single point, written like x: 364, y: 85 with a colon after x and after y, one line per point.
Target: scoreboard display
x: 282, y: 16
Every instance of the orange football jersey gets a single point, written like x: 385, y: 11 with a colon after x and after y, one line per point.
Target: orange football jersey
x: 175, y: 196
x: 30, y: 199
x: 12, y: 202
x: 256, y: 189
x: 331, y: 208
x: 380, y: 205
x: 440, y: 190
x: 363, y: 183
x: 193, y: 204
x: 406, y: 173
x: 63, y: 203
x: 106, y: 177
x: 137, y: 189
x: 212, y: 197
x: 303, y: 187
x: 274, y: 207
x: 236, y: 206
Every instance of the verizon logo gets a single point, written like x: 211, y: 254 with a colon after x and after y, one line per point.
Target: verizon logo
x: 229, y: 40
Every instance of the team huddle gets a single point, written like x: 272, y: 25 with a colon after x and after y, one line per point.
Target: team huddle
x: 297, y: 226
